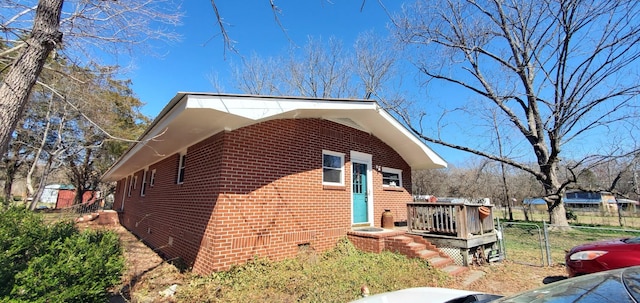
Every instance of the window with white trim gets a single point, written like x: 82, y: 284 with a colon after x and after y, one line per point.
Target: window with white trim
x: 332, y: 168
x: 181, y: 163
x: 143, y: 187
x: 135, y: 182
x: 152, y: 179
x: 391, y: 177
x: 130, y: 186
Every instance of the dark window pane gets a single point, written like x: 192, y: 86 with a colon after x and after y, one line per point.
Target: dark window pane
x: 331, y: 175
x: 331, y: 161
x: 392, y: 179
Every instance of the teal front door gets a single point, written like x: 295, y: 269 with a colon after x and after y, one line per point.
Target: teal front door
x: 359, y: 191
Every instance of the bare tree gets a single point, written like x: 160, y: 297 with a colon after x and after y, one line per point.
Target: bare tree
x: 375, y: 63
x: 557, y: 70
x: 77, y: 29
x: 321, y: 70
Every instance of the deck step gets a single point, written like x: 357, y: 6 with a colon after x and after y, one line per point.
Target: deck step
x: 427, y: 253
x: 440, y: 262
x: 454, y: 270
x: 417, y: 247
x: 403, y: 239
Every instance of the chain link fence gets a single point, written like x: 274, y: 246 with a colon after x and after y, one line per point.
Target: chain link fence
x: 521, y: 243
x: 543, y: 244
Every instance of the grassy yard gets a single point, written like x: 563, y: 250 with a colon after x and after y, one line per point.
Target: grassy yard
x: 629, y: 220
x: 525, y: 241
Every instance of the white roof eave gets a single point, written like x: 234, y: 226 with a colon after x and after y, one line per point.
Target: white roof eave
x: 192, y: 117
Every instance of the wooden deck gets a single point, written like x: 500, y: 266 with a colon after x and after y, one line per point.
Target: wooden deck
x: 455, y: 225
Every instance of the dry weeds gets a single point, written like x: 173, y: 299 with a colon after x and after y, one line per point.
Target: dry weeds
x: 147, y: 275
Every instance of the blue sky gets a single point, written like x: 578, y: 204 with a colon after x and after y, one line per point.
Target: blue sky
x: 187, y: 65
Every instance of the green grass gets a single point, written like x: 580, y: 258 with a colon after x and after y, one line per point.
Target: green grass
x: 629, y: 220
x: 335, y: 276
x: 524, y: 241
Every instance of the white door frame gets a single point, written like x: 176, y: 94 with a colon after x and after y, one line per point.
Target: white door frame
x: 363, y: 158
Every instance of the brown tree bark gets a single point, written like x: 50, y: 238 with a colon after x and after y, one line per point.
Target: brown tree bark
x: 23, y: 73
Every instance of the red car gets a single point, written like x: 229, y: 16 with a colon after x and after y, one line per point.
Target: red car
x: 604, y: 255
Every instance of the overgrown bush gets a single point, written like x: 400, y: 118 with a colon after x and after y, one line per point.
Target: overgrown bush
x: 571, y: 215
x: 55, y: 263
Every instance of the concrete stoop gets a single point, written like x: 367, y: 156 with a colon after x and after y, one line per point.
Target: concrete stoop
x: 417, y: 247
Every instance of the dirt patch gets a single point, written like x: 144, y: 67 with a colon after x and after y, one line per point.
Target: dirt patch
x: 508, y: 278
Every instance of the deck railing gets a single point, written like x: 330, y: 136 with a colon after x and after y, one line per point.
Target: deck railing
x: 451, y: 219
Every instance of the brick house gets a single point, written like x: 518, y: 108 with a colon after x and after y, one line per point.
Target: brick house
x: 219, y: 179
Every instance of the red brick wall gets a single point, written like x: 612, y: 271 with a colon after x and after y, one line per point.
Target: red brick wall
x: 257, y: 191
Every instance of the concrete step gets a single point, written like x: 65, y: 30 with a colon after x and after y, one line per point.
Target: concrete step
x: 416, y: 246
x: 454, y: 270
x: 440, y: 262
x: 427, y: 254
x: 401, y: 239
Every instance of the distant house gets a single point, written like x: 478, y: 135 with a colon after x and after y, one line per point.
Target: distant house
x: 627, y: 205
x: 585, y: 201
x: 219, y: 179
x: 590, y: 201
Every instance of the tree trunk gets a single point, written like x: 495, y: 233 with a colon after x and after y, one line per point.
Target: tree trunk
x: 11, y: 168
x: 554, y: 193
x: 8, y: 184
x: 24, y: 71
x: 36, y: 196
x: 41, y: 147
x: 558, y: 216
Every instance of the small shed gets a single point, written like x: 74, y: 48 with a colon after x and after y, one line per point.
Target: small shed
x: 50, y: 194
x: 627, y: 205
x: 62, y: 195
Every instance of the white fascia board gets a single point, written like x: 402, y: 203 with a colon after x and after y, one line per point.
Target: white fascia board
x: 155, y: 129
x: 256, y: 108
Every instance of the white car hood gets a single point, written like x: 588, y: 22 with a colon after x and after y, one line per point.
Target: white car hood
x: 418, y: 294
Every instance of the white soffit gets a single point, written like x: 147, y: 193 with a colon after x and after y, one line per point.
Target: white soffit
x: 192, y: 117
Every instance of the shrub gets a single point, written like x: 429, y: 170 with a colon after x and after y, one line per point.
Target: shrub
x: 55, y: 263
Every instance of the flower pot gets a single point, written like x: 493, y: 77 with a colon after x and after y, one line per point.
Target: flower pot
x: 484, y: 212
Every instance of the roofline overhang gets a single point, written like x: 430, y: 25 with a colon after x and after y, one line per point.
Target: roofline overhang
x: 187, y: 119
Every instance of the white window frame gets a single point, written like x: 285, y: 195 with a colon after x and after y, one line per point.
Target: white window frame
x: 182, y: 161
x: 124, y: 194
x: 152, y: 179
x: 335, y: 154
x: 130, y: 186
x: 135, y: 182
x: 143, y: 186
x: 392, y: 171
